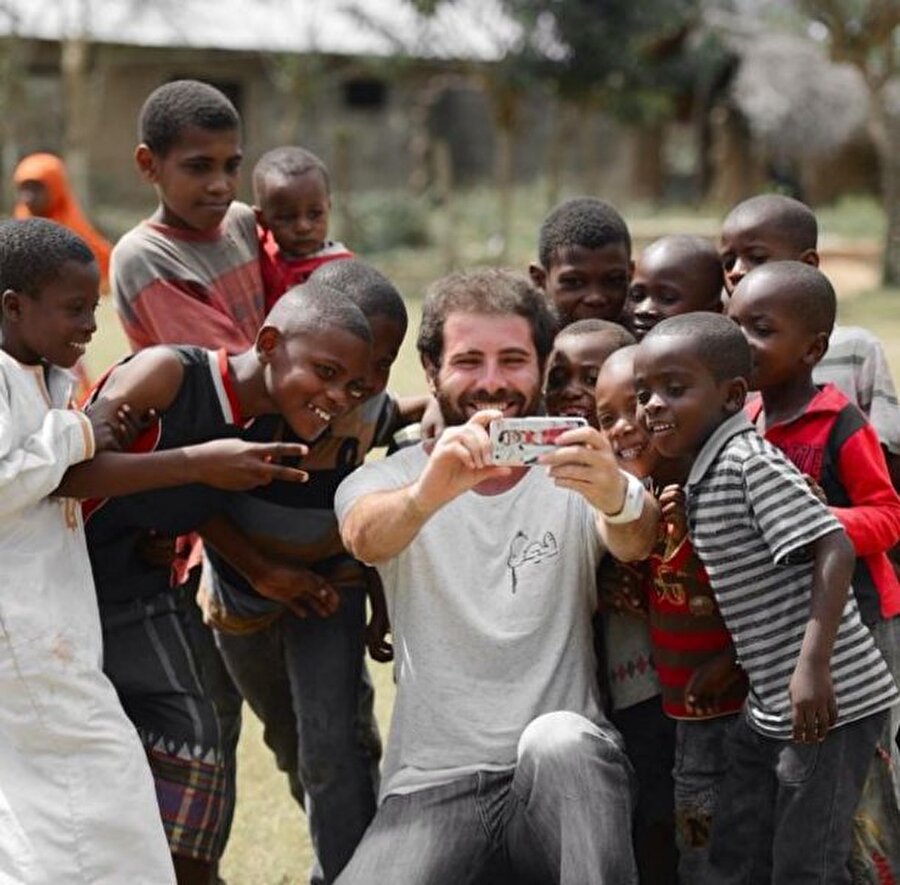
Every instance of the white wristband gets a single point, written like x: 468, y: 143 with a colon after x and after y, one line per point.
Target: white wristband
x: 632, y: 506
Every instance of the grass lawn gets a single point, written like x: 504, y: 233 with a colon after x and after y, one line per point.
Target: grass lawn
x: 269, y: 843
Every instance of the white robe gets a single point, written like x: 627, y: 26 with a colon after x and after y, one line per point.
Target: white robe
x: 77, y: 801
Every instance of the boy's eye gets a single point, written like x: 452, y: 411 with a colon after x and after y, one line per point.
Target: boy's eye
x: 556, y: 378
x: 590, y: 375
x: 314, y: 215
x: 673, y: 388
x: 668, y: 298
x: 232, y: 167
x: 326, y: 373
x: 642, y: 396
x: 615, y: 281
x: 636, y: 294
x: 570, y: 282
x: 605, y: 420
x: 728, y: 260
x: 757, y: 258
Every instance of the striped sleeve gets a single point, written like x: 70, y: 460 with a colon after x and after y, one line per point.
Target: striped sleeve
x: 788, y: 515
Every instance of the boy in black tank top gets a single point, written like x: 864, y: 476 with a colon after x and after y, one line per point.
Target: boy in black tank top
x: 308, y: 364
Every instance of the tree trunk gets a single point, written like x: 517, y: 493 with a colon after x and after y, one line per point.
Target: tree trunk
x: 885, y: 128
x: 11, y: 102
x: 647, y: 165
x: 75, y: 65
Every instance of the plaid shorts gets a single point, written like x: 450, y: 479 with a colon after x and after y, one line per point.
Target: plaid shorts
x: 149, y: 660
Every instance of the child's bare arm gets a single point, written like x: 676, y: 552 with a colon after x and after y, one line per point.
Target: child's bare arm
x: 811, y: 691
x: 379, y: 623
x: 409, y: 410
x: 297, y: 587
x: 230, y: 464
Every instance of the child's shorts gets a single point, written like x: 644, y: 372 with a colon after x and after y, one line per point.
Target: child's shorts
x: 147, y: 656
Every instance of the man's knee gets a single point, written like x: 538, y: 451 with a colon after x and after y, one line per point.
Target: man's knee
x: 563, y: 738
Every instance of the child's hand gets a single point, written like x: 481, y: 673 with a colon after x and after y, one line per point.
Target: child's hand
x: 813, y: 705
x: 709, y: 682
x: 379, y: 624
x: 673, y: 506
x: 236, y: 466
x: 620, y: 587
x: 115, y: 425
x: 298, y: 588
x: 815, y: 488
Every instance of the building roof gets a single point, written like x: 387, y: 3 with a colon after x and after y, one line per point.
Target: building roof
x: 462, y: 29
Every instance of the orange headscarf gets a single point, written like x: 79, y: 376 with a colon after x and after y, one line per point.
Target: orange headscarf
x: 62, y: 205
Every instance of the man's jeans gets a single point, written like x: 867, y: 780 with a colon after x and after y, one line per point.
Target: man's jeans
x: 306, y: 680
x: 562, y: 815
x: 785, y: 810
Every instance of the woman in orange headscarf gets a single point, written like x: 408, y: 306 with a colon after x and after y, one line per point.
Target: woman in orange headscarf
x: 43, y: 189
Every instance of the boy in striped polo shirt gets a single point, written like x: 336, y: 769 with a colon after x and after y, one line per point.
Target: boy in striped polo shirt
x: 780, y: 568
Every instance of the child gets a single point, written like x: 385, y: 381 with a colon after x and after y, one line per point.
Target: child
x: 627, y: 672
x: 292, y: 193
x: 584, y: 250
x: 786, y: 311
x: 772, y: 227
x: 190, y: 274
x: 675, y: 274
x: 303, y: 675
x: 578, y: 352
x: 702, y: 687
x: 309, y: 363
x: 78, y: 801
x: 779, y: 565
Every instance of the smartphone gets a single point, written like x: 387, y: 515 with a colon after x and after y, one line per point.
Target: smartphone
x: 518, y: 441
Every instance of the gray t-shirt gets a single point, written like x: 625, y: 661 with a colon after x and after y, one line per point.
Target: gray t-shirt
x: 491, y: 610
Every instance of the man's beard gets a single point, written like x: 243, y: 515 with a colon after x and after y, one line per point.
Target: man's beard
x: 455, y: 414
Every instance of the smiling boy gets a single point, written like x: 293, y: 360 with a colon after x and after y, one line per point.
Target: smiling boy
x: 190, y: 273
x: 309, y: 363
x: 584, y: 255
x: 780, y: 566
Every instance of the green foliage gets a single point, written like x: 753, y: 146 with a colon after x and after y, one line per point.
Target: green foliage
x: 383, y: 221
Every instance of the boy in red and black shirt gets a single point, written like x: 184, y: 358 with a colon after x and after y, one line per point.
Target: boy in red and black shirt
x: 702, y: 686
x: 786, y: 311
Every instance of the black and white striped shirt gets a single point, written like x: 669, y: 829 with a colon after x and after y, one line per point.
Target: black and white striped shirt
x: 752, y: 519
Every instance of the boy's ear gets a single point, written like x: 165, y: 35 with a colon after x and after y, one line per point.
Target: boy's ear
x: 817, y: 349
x: 146, y: 162
x: 259, y: 217
x: 811, y: 257
x: 538, y: 275
x: 735, y: 395
x: 11, y: 305
x: 267, y: 340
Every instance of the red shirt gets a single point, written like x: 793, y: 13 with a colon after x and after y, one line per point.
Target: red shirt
x: 686, y: 627
x: 834, y: 444
x: 280, y: 273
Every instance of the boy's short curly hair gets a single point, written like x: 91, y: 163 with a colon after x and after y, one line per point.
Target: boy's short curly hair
x: 717, y: 342
x: 289, y: 161
x: 173, y: 107
x: 492, y: 291
x: 371, y: 291
x: 581, y: 221
x: 33, y: 252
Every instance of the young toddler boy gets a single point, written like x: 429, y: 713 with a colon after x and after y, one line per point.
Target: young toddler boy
x: 190, y: 273
x: 292, y: 194
x: 780, y: 566
x: 786, y: 310
x: 303, y: 675
x: 309, y: 363
x: 674, y: 275
x: 584, y: 254
x: 78, y: 800
x: 702, y: 687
